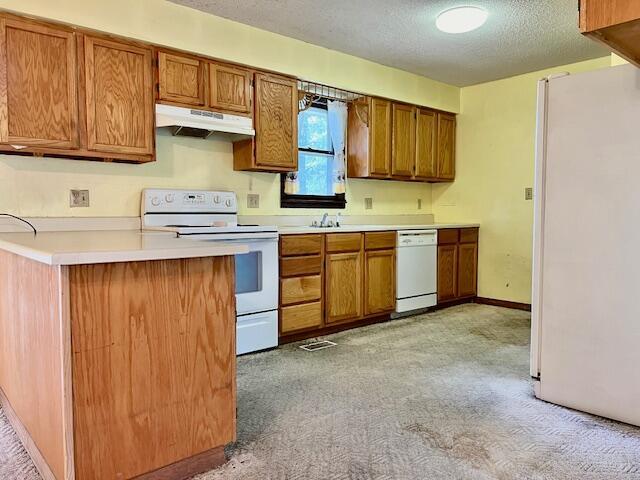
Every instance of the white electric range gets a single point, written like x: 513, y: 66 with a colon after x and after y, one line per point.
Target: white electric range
x: 211, y: 216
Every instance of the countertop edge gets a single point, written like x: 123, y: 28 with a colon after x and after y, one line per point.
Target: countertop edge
x: 371, y: 228
x: 114, y: 256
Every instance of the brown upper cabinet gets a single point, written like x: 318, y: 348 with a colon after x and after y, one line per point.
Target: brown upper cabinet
x: 369, y: 138
x: 39, y: 94
x: 119, y: 97
x: 446, y: 147
x: 230, y: 88
x: 426, y: 138
x: 67, y: 93
x: 403, y: 140
x: 275, y: 146
x: 380, y: 137
x: 181, y: 79
x: 398, y: 141
x: 189, y: 81
x: 615, y: 24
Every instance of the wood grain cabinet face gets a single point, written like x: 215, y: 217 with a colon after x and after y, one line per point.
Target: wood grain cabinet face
x: 119, y: 97
x: 467, y: 269
x: 457, y: 263
x: 301, y: 317
x: 38, y: 85
x: 426, y: 123
x: 276, y: 122
x: 229, y: 88
x: 300, y: 289
x: 403, y: 140
x: 446, y: 146
x: 181, y: 79
x: 379, y: 281
x: 146, y: 372
x: 343, y: 293
x: 447, y: 272
x: 380, y: 137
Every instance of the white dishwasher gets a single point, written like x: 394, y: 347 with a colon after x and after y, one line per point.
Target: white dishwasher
x: 416, y: 272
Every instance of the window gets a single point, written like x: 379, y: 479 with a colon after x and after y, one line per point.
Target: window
x: 314, y: 180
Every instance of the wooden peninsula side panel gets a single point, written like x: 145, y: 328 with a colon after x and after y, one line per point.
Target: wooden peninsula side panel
x: 119, y: 370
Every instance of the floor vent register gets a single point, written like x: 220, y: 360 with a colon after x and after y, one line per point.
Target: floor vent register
x: 314, y: 347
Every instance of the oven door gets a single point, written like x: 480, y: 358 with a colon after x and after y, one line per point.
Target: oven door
x: 257, y: 277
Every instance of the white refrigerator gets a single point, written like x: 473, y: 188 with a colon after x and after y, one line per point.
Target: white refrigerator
x: 585, y: 332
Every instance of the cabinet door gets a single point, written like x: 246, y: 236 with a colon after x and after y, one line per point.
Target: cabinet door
x: 467, y: 269
x: 446, y: 146
x: 447, y: 272
x: 379, y: 281
x: 380, y: 137
x: 276, y: 122
x: 38, y: 85
x: 403, y: 140
x: 426, y: 124
x: 230, y: 88
x: 343, y: 296
x: 119, y: 97
x: 181, y: 79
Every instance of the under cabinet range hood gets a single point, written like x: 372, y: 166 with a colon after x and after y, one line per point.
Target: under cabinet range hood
x: 188, y: 122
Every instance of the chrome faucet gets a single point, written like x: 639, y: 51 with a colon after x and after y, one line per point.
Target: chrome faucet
x: 323, y: 222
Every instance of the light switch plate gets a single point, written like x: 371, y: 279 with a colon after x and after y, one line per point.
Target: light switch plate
x: 78, y: 198
x: 528, y: 193
x: 253, y: 200
x: 368, y: 203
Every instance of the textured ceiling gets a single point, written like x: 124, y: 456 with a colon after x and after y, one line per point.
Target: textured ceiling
x: 519, y: 36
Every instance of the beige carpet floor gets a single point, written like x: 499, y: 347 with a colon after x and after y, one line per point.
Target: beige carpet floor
x: 444, y: 395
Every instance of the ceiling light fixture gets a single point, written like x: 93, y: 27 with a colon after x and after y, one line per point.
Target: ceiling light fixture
x: 461, y: 19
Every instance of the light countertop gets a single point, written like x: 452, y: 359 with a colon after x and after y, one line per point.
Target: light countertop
x: 86, y: 247
x: 284, y: 230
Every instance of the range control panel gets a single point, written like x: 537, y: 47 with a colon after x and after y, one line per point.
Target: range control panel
x: 188, y: 201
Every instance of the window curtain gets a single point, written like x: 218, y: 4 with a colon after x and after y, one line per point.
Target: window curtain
x: 337, y: 114
x: 291, y: 183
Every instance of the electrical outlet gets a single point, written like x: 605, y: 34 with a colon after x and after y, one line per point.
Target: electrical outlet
x: 78, y: 198
x: 528, y: 193
x: 419, y: 204
x: 253, y: 200
x: 368, y: 203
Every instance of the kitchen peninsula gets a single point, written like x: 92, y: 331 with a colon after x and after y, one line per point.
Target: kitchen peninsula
x: 117, y: 352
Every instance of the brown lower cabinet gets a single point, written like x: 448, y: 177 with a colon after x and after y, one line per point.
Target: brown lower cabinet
x: 457, y: 264
x: 343, y: 287
x: 334, y: 280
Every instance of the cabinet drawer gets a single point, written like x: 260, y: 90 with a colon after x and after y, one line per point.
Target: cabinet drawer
x: 343, y: 242
x: 379, y: 240
x: 468, y: 235
x: 447, y: 236
x: 297, y: 266
x: 300, y: 245
x: 300, y: 317
x: 300, y: 289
